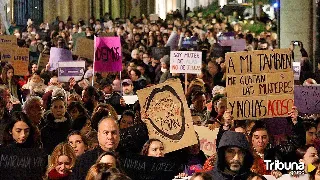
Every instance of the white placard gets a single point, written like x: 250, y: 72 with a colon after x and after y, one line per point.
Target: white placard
x: 296, y: 70
x: 69, y: 69
x: 185, y: 62
x: 130, y: 99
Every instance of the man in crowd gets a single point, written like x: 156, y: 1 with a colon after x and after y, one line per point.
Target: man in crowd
x: 138, y: 81
x: 108, y: 138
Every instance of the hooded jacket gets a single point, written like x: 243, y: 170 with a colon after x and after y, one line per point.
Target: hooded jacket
x: 233, y: 139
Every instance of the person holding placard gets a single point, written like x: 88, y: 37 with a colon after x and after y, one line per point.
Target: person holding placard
x: 7, y: 78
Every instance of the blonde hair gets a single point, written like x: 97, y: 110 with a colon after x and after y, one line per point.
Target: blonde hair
x: 62, y: 149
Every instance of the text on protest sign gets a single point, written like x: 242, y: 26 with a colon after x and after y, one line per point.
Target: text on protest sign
x: 85, y: 48
x: 8, y: 40
x: 20, y: 61
x: 108, y: 56
x: 307, y: 99
x: 185, y: 62
x: 260, y: 83
x: 165, y: 111
x: 57, y: 55
x: 207, y: 139
x: 71, y: 69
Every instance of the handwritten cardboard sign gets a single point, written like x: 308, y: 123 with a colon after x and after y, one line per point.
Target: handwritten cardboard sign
x: 71, y: 69
x: 6, y: 53
x: 185, y: 62
x: 43, y: 61
x: 108, y: 56
x: 22, y: 163
x: 207, y: 139
x: 8, y: 40
x: 165, y: 111
x: 159, y: 52
x: 260, y: 83
x: 85, y: 48
x: 57, y: 55
x: 150, y: 168
x: 20, y: 61
x: 307, y: 99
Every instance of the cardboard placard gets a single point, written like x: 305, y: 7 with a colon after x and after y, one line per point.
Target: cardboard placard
x: 71, y: 69
x: 307, y: 99
x: 165, y: 111
x: 139, y: 167
x: 207, y: 139
x: 159, y: 52
x: 22, y: 163
x: 108, y: 56
x: 8, y: 40
x: 20, y: 61
x: 185, y: 62
x: 85, y: 48
x: 258, y: 82
x: 6, y: 53
x: 57, y: 55
x: 43, y: 61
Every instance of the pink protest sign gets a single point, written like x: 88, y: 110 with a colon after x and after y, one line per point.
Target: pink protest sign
x: 108, y: 57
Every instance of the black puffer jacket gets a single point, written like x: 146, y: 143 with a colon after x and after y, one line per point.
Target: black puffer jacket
x: 233, y: 139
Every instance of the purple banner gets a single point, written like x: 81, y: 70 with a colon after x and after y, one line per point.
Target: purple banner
x: 71, y: 69
x: 307, y: 99
x: 57, y: 55
x: 108, y: 56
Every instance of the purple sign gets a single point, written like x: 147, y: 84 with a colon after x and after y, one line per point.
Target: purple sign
x: 307, y: 99
x: 236, y: 44
x: 57, y: 55
x: 71, y: 69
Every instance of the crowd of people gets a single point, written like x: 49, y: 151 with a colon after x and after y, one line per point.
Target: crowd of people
x: 78, y: 124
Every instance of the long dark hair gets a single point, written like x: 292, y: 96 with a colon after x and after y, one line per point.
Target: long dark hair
x: 4, y: 77
x: 146, y: 146
x: 16, y: 117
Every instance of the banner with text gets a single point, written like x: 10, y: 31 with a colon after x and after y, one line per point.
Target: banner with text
x: 307, y: 99
x: 57, y: 55
x: 165, y: 111
x: 185, y: 62
x: 260, y: 83
x: 207, y: 139
x: 20, y: 61
x: 71, y: 69
x: 8, y: 40
x: 108, y: 56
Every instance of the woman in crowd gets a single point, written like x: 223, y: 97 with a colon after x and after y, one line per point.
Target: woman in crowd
x: 154, y: 148
x: 127, y: 119
x: 308, y: 155
x: 315, y: 174
x: 61, y: 162
x: 7, y: 78
x: 58, y: 124
x: 109, y: 158
x: 80, y: 118
x: 201, y: 176
x: 78, y: 142
x: 35, y: 84
x: 20, y: 132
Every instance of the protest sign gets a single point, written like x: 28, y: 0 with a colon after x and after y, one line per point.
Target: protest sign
x: 130, y: 99
x: 75, y: 38
x: 159, y: 52
x: 133, y: 138
x: 154, y: 17
x: 236, y: 44
x: 20, y: 61
x: 260, y: 83
x: 207, y: 139
x: 85, y: 48
x: 173, y: 41
x: 108, y: 56
x: 57, y: 55
x: 150, y: 168
x: 307, y: 99
x: 190, y: 43
x: 71, y: 69
x: 165, y: 111
x: 296, y: 70
x: 43, y: 61
x: 22, y: 163
x: 6, y: 53
x: 8, y: 40
x: 185, y: 62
